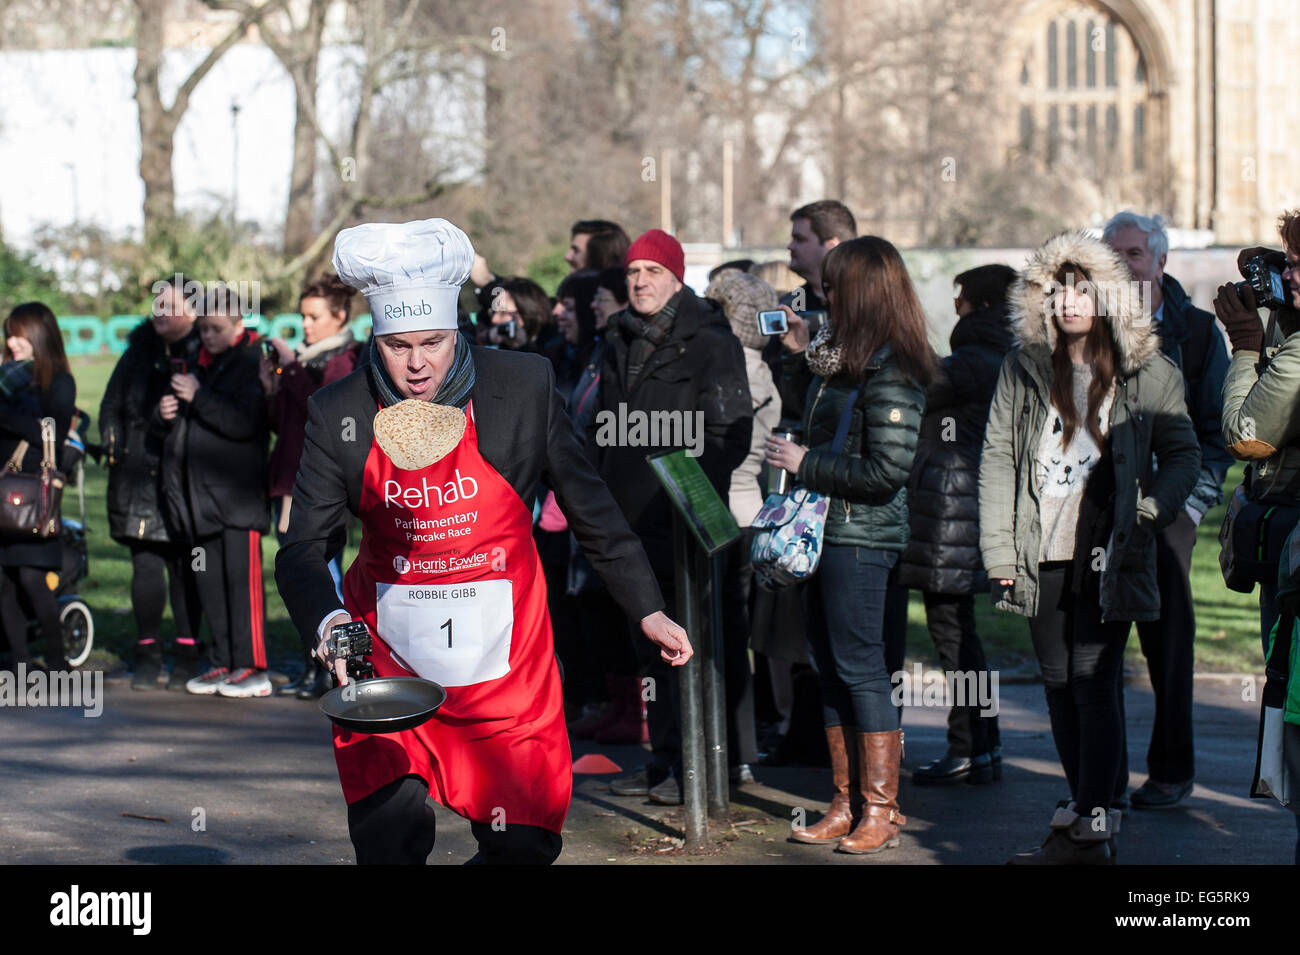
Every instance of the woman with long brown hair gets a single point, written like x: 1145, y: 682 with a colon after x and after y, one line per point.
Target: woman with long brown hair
x: 35, y: 383
x: 862, y: 381
x: 1070, y: 503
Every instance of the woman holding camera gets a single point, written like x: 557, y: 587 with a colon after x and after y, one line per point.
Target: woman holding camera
x: 328, y: 351
x: 869, y: 368
x: 1070, y: 502
x: 35, y: 384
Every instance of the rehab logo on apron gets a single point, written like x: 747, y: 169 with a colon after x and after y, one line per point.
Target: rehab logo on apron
x: 449, y: 582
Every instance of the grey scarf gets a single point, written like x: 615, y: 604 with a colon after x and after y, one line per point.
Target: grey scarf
x: 644, y: 335
x: 454, y: 390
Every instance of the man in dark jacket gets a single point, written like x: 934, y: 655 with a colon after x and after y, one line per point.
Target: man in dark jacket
x: 942, y: 559
x: 1189, y: 338
x: 214, y: 484
x: 132, y: 437
x: 669, y: 351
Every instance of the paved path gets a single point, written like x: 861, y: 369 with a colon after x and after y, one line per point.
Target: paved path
x: 259, y: 776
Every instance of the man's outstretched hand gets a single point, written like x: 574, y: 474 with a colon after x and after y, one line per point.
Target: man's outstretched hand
x: 674, y: 646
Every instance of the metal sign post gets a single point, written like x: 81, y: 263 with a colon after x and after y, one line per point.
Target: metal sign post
x: 693, y: 743
x: 715, y: 698
x: 702, y: 526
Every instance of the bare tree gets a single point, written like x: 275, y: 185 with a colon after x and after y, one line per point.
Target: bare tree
x: 158, y: 123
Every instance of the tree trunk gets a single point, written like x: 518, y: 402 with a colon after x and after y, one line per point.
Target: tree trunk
x: 156, y: 126
x: 299, y: 218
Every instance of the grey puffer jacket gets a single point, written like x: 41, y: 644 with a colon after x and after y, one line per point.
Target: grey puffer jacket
x: 1148, y: 414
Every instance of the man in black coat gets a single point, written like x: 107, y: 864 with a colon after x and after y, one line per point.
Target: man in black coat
x: 132, y: 436
x: 669, y: 351
x: 1190, y: 339
x: 411, y: 274
x: 943, y: 559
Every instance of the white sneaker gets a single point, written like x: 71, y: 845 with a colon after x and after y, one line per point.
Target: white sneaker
x: 206, y: 683
x: 245, y: 682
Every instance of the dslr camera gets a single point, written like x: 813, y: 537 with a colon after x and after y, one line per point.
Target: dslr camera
x: 1264, y: 279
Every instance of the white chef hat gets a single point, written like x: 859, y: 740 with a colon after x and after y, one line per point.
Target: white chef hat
x: 409, y: 272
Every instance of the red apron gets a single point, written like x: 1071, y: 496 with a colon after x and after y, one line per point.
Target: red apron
x: 449, y: 582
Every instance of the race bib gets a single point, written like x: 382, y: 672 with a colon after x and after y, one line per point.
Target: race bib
x: 453, y: 634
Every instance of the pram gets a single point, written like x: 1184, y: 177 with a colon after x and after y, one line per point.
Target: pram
x: 75, y: 617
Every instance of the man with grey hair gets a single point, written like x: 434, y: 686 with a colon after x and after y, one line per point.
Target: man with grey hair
x: 1192, y: 341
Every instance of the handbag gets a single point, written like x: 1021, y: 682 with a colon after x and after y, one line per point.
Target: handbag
x: 1277, y: 755
x: 788, y: 545
x: 1253, y: 534
x: 32, y: 501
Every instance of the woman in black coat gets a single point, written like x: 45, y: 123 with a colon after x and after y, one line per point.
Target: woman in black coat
x: 36, y: 385
x: 132, y: 436
x: 942, y: 559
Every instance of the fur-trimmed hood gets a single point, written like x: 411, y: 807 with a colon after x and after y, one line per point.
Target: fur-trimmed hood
x: 1118, y: 298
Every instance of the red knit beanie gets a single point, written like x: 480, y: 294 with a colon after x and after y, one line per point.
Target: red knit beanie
x: 658, y: 246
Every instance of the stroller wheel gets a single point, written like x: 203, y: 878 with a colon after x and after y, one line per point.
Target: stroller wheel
x: 78, y: 630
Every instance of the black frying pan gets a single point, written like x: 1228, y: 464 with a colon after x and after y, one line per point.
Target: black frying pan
x: 383, y: 705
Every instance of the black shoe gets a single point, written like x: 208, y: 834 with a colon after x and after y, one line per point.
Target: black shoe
x: 982, y: 771
x: 996, y: 758
x: 1155, y: 795
x: 186, y: 665
x: 305, y: 681
x: 639, y: 782
x: 148, y: 666
x: 1120, y: 802
x: 667, y: 793
x: 944, y: 771
x: 316, y: 688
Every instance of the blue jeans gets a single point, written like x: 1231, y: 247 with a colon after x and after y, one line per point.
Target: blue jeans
x: 846, y: 618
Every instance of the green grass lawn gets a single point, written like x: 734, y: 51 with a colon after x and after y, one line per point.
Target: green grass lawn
x: 1227, y: 623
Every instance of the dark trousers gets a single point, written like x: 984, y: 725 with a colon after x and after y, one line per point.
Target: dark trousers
x: 396, y: 825
x: 1168, y: 644
x: 846, y: 631
x: 231, y: 593
x: 662, y: 694
x: 1081, y: 659
x: 158, y: 570
x: 602, y: 627
x: 581, y: 681
x: 951, y: 620
x: 28, y: 583
x: 737, y: 585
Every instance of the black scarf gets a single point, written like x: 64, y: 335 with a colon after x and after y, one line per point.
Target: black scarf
x: 644, y: 335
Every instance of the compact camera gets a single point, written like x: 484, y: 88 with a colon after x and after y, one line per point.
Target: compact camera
x: 772, y: 322
x: 1264, y: 279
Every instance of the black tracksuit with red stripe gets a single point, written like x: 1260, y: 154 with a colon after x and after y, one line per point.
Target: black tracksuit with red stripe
x: 214, y: 485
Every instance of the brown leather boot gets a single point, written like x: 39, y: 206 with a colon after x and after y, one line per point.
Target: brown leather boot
x: 838, y: 820
x: 878, y: 757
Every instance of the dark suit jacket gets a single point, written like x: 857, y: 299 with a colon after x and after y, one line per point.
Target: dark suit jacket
x: 523, y: 432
